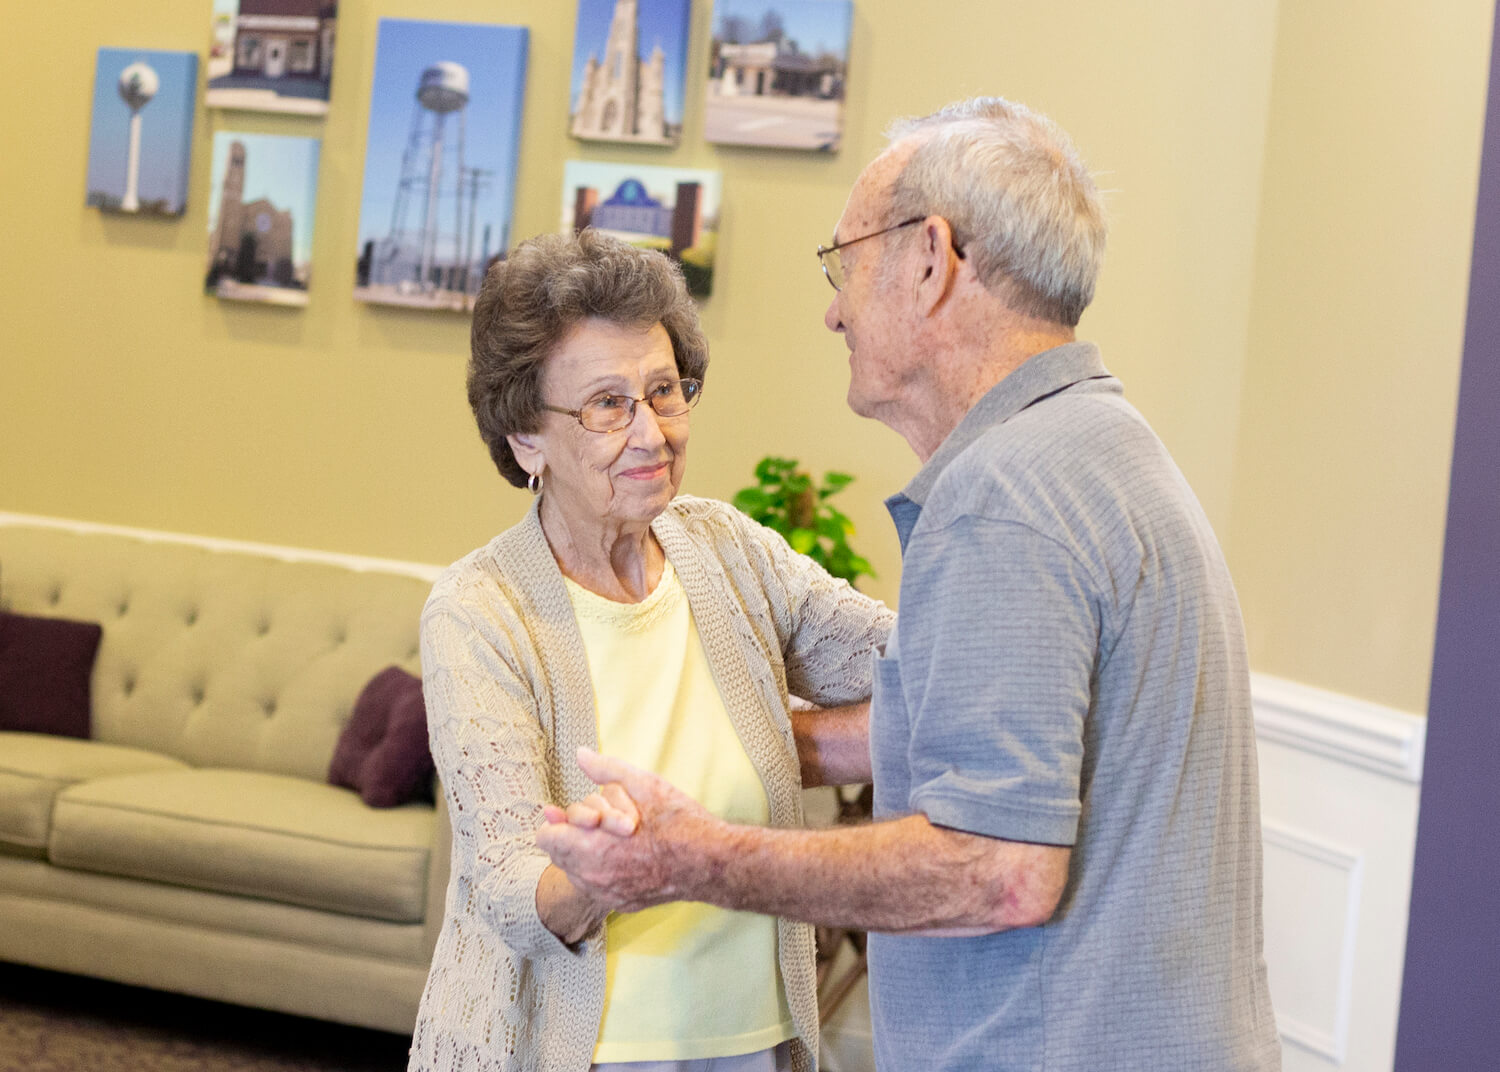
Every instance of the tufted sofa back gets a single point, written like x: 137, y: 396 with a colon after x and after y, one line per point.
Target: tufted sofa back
x: 221, y: 654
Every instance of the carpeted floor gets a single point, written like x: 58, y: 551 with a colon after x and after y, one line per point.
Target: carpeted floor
x: 65, y: 1023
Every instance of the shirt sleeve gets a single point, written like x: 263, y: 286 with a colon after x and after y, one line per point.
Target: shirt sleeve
x: 998, y: 643
x: 488, y: 747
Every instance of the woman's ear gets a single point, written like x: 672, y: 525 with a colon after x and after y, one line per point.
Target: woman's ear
x: 528, y: 452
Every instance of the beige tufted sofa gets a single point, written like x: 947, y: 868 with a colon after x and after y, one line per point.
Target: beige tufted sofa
x: 193, y: 845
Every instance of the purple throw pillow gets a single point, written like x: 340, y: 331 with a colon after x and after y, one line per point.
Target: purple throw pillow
x: 46, y: 665
x: 382, y: 752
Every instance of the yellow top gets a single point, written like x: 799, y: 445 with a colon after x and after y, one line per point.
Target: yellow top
x: 684, y: 981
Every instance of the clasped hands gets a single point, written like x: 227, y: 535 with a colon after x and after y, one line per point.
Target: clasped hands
x: 625, y: 846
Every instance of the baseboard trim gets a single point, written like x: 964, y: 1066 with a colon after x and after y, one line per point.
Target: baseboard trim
x: 1356, y: 732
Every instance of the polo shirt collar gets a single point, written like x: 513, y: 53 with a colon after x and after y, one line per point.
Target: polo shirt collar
x: 1043, y: 374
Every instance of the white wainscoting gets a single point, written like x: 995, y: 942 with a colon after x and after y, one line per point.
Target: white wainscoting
x: 1339, y: 786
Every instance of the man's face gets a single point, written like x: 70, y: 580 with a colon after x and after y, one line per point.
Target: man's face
x: 872, y: 309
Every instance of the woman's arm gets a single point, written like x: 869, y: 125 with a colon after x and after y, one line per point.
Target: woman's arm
x: 489, y: 748
x: 564, y: 909
x: 833, y: 744
x: 828, y: 630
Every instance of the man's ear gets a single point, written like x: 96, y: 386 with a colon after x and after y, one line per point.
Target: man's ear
x: 528, y: 452
x: 937, y: 271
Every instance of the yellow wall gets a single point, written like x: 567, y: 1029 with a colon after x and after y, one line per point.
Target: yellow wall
x: 127, y: 396
x: 1361, y: 280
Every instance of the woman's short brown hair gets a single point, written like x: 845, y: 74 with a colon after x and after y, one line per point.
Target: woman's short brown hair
x: 531, y: 301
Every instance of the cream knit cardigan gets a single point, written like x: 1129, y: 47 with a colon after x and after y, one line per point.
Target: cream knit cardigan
x: 509, y: 701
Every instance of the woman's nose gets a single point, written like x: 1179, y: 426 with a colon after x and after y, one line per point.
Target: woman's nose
x: 645, y: 426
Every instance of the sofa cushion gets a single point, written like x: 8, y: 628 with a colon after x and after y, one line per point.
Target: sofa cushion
x: 252, y: 833
x: 46, y: 665
x: 35, y: 767
x: 383, y: 752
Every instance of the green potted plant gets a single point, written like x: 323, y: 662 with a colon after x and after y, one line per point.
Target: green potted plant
x: 786, y: 499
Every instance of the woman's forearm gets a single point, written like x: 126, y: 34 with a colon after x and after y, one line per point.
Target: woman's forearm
x: 833, y: 744
x: 564, y: 909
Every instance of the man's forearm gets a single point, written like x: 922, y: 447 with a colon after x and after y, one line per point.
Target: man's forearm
x: 901, y: 876
x: 833, y: 744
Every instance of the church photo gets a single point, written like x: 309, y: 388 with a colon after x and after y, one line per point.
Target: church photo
x: 260, y: 216
x: 629, y: 63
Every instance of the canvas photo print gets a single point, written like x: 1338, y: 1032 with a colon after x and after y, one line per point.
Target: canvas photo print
x: 260, y: 217
x: 776, y: 73
x: 272, y: 55
x: 629, y: 65
x: 141, y: 133
x: 440, y: 161
x: 675, y: 210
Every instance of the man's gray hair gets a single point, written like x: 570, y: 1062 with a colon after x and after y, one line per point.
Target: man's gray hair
x: 1021, y: 203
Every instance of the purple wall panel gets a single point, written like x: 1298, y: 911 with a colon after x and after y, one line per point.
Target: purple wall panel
x: 1450, y: 997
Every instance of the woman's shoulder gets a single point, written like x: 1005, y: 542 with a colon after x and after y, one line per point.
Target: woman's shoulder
x: 707, y: 518
x: 488, y: 573
x: 714, y: 528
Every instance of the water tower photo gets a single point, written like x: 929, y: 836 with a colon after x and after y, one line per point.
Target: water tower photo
x: 440, y: 161
x: 140, y: 143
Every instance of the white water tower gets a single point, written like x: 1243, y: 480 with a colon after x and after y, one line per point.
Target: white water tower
x: 138, y: 84
x: 444, y: 89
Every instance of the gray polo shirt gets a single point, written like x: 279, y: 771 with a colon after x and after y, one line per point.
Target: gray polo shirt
x: 1069, y: 668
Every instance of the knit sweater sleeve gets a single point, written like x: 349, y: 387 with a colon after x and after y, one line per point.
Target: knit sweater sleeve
x: 828, y: 630
x: 490, y: 752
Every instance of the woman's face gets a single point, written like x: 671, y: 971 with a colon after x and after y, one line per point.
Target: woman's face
x: 628, y: 476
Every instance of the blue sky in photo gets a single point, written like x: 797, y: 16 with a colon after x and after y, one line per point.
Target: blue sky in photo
x: 279, y: 168
x: 816, y: 25
x: 166, y: 126
x: 495, y: 57
x: 659, y: 22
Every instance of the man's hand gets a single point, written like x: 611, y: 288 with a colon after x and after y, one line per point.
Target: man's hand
x: 629, y: 845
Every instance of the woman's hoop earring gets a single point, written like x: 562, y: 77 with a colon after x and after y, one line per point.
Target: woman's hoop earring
x: 534, y: 483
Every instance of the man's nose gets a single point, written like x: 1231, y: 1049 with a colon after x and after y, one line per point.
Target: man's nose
x: 831, y: 318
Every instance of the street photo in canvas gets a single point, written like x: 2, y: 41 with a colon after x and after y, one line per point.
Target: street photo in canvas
x: 272, y: 55
x: 440, y: 161
x: 141, y: 131
x: 776, y: 74
x: 675, y: 210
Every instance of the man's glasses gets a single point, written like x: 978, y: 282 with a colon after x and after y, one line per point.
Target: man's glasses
x: 833, y: 264
x: 612, y: 413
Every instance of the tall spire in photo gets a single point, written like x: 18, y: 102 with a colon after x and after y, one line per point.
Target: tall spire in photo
x: 627, y: 88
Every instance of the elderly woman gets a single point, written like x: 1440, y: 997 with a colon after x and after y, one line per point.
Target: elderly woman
x: 619, y: 616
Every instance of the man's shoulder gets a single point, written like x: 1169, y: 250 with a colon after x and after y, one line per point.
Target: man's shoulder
x: 1074, y: 446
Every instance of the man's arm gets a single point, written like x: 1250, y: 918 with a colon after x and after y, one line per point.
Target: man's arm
x: 833, y: 744
x: 902, y: 876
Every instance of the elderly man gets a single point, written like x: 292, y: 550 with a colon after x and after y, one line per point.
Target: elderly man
x: 1065, y: 870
